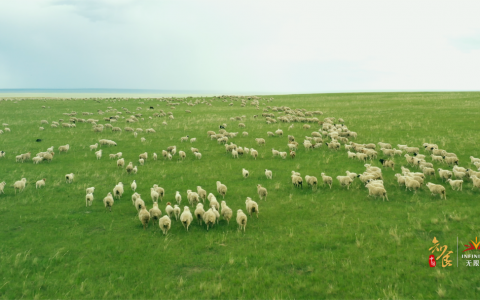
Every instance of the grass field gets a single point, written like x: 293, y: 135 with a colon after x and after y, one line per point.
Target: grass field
x: 329, y: 243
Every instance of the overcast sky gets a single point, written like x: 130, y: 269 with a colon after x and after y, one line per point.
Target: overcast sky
x: 240, y: 46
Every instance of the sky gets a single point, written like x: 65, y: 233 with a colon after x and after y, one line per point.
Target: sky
x: 240, y: 46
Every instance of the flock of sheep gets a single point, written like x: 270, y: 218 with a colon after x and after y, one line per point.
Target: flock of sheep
x: 331, y: 132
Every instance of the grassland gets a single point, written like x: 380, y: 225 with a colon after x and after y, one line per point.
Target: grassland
x: 330, y: 243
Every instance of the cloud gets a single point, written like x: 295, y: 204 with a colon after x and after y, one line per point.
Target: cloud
x: 242, y: 46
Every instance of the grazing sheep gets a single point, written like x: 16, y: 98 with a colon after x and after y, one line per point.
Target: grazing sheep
x: 444, y: 174
x: 254, y: 153
x: 184, y: 139
x: 129, y: 167
x: 40, y: 183
x: 260, y: 141
x: 98, y: 154
x: 143, y: 139
x: 436, y: 158
x: 283, y: 155
x: 377, y: 191
x: 458, y: 174
x: 455, y: 184
x: 221, y: 189
x: 202, y: 194
x: 155, y: 212
x: 262, y: 192
x: 428, y: 171
x: 182, y: 155
x: 178, y: 198
x: 20, y: 185
x: 311, y: 181
x: 144, y: 216
x: 297, y: 180
x: 292, y: 154
x: 186, y: 218
x: 154, y: 156
x: 411, y: 183
x: 88, y: 200
x: 154, y: 195
x: 143, y: 156
x: 141, y: 161
x: 234, y: 153
x: 450, y: 160
x: 94, y: 147
x: 245, y: 133
x: 361, y: 156
x: 165, y: 223
x: 193, y: 140
x: 121, y: 162
x: 327, y: 180
x: 226, y: 212
x: 345, y: 181
x: 199, y: 212
x: 437, y: 189
x: 387, y: 163
x: 36, y: 160
x: 192, y: 198
x: 69, y: 178
x: 245, y: 173
x: 112, y: 156
x: 351, y: 155
x: 108, y: 201
x: 48, y: 156
x: 169, y: 209
x: 384, y: 145
x: 198, y: 155
x: 64, y: 148
x: 241, y: 220
x: 268, y: 174
x: 351, y: 175
x: 90, y: 190
x: 275, y: 152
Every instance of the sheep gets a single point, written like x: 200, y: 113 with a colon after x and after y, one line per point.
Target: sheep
x: 193, y: 140
x: 234, y: 154
x: 165, y: 223
x: 428, y: 171
x: 139, y: 203
x: 192, y: 198
x: 202, y: 194
x: 186, y: 218
x: 118, y: 190
x: 98, y: 154
x: 133, y: 185
x: 155, y: 212
x: 269, y: 133
x: 19, y: 158
x: 474, y: 160
x: 198, y: 155
x: 121, y: 162
x: 193, y: 149
x: 199, y: 212
x: 94, y: 147
x: 251, y: 206
x: 143, y: 139
x: 351, y: 155
x: 437, y: 189
x: 141, y: 161
x: 372, y: 169
x: 36, y: 160
x: 275, y: 152
x: 221, y: 189
x: 182, y: 155
x: 268, y: 174
x: 260, y: 141
x: 361, y: 156
x: 254, y: 153
x: 460, y: 169
x: 26, y: 156
x: 455, y: 184
x: 476, y: 182
x: 262, y: 192
x: 64, y: 148
x: 160, y: 191
x: 176, y: 211
x: 150, y: 130
x: 48, y: 156
x: 458, y: 174
x: 245, y: 133
x: 387, y: 163
x: 345, y: 181
x: 108, y: 201
x: 477, y: 164
x: 2, y: 187
x: 209, y: 217
x: 444, y: 174
x: 129, y: 167
x: 144, y: 216
x: 311, y: 181
x: 88, y: 200
x: 154, y: 195
x: 384, y: 145
x: 377, y: 191
x: 90, y: 190
x: 2, y: 153
x: 410, y: 159
x: 327, y: 180
x: 297, y: 180
x: 411, y: 183
x: 143, y: 156
x: 178, y: 197
x: 245, y: 173
x: 213, y: 201
x: 40, y: 183
x: 112, y: 156
x: 296, y: 174
x: 169, y: 209
x: 69, y: 178
x: 184, y: 139
x: 436, y: 158
x: 241, y: 220
x: 451, y: 160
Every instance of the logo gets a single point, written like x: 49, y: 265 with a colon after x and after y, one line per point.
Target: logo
x: 431, y: 261
x: 472, y: 245
x: 446, y: 261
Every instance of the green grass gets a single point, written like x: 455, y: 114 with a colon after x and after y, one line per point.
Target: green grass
x: 329, y: 243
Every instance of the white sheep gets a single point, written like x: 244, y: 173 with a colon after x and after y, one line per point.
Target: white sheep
x: 88, y: 200
x: 226, y: 212
x: 234, y: 153
x: 133, y: 185
x: 40, y: 183
x: 176, y: 211
x: 268, y: 174
x: 98, y: 154
x: 221, y: 189
x: 377, y: 191
x: 327, y: 180
x: 245, y: 173
x: 202, y: 194
x: 186, y: 218
x: 36, y: 160
x: 455, y: 184
x: 135, y: 170
x: 198, y: 155
x: 192, y: 198
x: 184, y: 139
x: 474, y: 160
x: 437, y: 189
x: 165, y: 223
x: 476, y: 182
x: 262, y: 192
x: 155, y: 212
x: 241, y: 220
x: 444, y: 174
x: 2, y: 153
x: 154, y: 156
x: 199, y: 212
x: 351, y: 154
x: 121, y: 162
x: 139, y: 203
x: 90, y: 190
x: 254, y: 153
x: 193, y: 140
x: 209, y: 217
x: 252, y: 206
x: 411, y: 183
x: 351, y: 174
x: 118, y: 190
x: 64, y: 148
x: 169, y: 209
x: 260, y: 141
x: 94, y: 147
x: 178, y: 197
x: 69, y: 178
x: 160, y: 191
x: 144, y: 216
x: 143, y: 140
x: 213, y: 201
x: 2, y: 187
x: 345, y: 181
x: 108, y: 201
x: 182, y: 154
x: 311, y: 181
x: 154, y: 194
x: 141, y: 161
x: 297, y: 180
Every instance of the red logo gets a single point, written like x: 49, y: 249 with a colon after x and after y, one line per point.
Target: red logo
x: 431, y: 261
